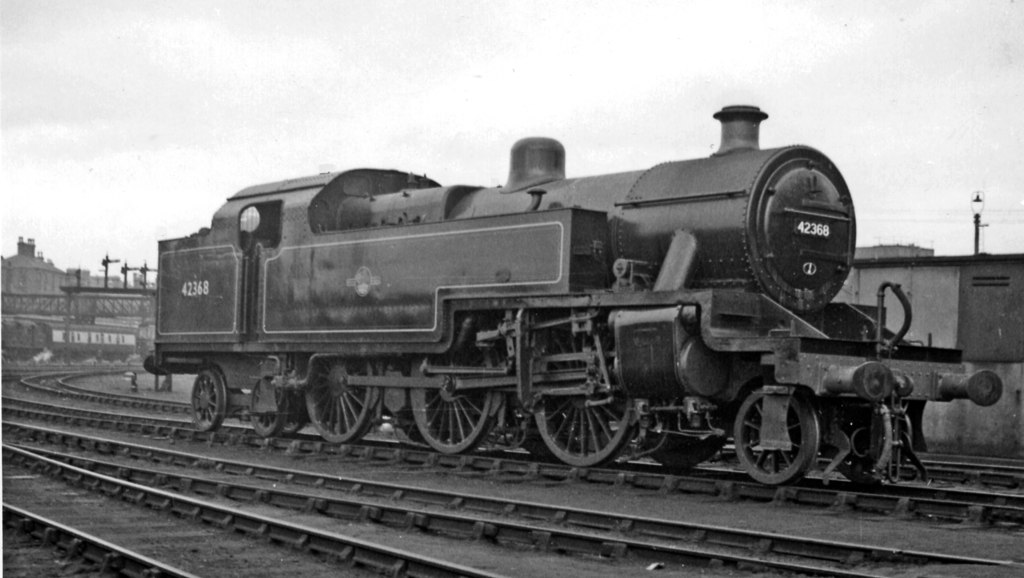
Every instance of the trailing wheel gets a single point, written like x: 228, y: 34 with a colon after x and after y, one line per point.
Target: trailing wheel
x: 452, y: 421
x: 340, y: 412
x: 582, y: 433
x: 209, y: 399
x: 778, y: 452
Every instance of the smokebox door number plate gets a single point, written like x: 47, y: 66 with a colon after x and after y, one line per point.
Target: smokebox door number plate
x: 812, y: 229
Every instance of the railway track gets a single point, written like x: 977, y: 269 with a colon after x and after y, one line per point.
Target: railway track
x: 565, y: 516
x: 601, y: 534
x: 60, y: 384
x: 316, y: 543
x: 975, y: 507
x: 903, y: 500
x: 1003, y: 474
x: 107, y: 556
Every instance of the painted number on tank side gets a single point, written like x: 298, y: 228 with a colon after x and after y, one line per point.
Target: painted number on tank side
x: 813, y: 229
x: 195, y: 288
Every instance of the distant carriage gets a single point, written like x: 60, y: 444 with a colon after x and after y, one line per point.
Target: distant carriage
x: 25, y: 339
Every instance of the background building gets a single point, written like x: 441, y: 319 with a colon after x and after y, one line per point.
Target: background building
x: 50, y: 315
x: 973, y: 303
x: 29, y: 272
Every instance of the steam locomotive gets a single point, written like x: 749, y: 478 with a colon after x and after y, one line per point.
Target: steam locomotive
x: 652, y: 313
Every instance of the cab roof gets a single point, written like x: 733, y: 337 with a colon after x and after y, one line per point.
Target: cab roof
x: 315, y: 181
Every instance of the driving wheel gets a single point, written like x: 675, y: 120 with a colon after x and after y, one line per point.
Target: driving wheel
x: 584, y: 434
x: 453, y: 421
x: 340, y: 412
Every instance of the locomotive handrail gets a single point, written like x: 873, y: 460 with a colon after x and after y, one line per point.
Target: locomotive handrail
x: 536, y: 195
x: 833, y: 214
x: 908, y: 315
x: 681, y: 198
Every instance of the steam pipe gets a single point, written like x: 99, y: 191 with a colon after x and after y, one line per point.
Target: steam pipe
x: 908, y: 315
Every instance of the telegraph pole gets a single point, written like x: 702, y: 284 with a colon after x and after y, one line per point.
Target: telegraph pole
x: 977, y: 204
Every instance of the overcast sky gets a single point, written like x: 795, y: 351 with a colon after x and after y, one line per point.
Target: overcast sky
x: 125, y: 122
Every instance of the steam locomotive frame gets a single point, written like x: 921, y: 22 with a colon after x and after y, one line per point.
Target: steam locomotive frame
x: 649, y: 313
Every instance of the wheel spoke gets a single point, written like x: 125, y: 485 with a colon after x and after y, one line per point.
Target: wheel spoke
x: 462, y: 418
x: 566, y: 422
x: 593, y: 426
x: 605, y: 426
x: 468, y: 402
x: 332, y: 416
x: 346, y: 415
x: 573, y: 439
x: 785, y: 456
x: 348, y: 410
x: 447, y: 423
x: 343, y: 420
x: 353, y: 408
x: 436, y: 414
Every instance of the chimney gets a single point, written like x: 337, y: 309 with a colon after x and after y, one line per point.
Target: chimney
x: 26, y: 248
x: 740, y: 128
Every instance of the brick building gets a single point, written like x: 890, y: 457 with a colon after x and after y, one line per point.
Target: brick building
x: 28, y: 272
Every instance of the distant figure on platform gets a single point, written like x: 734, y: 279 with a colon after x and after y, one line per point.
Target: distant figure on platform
x: 133, y: 378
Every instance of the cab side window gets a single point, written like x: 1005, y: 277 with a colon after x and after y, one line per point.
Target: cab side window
x: 260, y: 223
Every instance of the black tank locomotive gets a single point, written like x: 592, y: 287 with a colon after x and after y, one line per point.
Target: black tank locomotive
x: 649, y: 313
